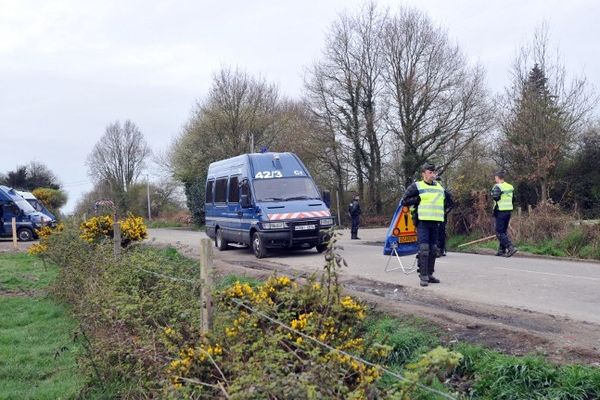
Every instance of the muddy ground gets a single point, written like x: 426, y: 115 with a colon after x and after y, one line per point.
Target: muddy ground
x: 508, y: 330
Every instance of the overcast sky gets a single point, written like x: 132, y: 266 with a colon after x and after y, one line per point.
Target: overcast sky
x: 68, y: 68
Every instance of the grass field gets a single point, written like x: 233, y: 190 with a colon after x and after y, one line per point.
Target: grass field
x: 37, y: 352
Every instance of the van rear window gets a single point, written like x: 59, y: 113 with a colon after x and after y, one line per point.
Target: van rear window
x: 221, y: 190
x: 209, y: 191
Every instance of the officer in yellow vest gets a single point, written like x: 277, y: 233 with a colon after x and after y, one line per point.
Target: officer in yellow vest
x: 503, y: 195
x: 427, y: 196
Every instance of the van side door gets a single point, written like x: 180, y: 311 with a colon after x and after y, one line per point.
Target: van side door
x: 248, y: 211
x: 233, y: 208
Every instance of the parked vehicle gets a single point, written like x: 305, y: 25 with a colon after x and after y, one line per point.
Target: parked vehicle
x: 265, y: 200
x: 35, y: 203
x: 27, y: 218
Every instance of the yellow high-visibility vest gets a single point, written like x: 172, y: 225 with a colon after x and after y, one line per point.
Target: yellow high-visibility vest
x: 431, y: 206
x: 506, y: 197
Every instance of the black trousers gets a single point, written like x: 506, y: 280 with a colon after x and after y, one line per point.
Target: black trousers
x: 441, y: 244
x: 502, y: 220
x: 355, y: 224
x: 427, y: 236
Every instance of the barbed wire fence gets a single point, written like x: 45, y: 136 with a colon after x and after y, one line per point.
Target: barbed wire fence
x: 205, y: 285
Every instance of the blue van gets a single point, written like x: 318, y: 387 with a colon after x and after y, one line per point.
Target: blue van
x: 27, y: 218
x: 35, y: 203
x: 265, y: 200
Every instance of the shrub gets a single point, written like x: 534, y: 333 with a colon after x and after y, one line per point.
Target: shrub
x: 546, y: 221
x: 43, y: 234
x: 95, y: 229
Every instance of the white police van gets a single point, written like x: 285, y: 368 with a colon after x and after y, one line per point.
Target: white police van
x: 265, y: 200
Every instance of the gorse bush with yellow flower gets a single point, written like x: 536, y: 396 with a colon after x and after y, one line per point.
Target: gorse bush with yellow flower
x: 43, y: 234
x: 282, y: 339
x: 133, y: 229
x: 244, y: 347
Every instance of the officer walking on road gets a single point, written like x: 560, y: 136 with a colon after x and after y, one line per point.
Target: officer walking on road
x: 427, y: 196
x: 503, y: 195
x: 354, y: 213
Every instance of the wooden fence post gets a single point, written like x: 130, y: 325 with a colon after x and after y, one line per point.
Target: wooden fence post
x: 116, y: 236
x: 14, y: 233
x: 206, y: 284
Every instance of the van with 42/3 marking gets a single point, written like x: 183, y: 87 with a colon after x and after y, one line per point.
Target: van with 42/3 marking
x: 266, y: 201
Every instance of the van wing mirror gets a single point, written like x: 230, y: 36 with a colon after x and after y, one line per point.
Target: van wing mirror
x: 326, y: 196
x: 245, y: 201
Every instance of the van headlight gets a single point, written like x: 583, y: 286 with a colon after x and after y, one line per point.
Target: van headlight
x: 326, y: 221
x: 274, y: 225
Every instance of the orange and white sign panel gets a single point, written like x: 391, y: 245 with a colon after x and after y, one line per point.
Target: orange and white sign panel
x: 404, y: 225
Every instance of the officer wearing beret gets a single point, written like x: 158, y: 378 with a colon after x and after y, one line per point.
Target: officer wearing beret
x: 427, y: 196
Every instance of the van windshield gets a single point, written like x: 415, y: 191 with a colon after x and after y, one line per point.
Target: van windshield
x: 284, y: 189
x: 24, y: 205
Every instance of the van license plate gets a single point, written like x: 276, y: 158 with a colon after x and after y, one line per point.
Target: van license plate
x: 304, y: 227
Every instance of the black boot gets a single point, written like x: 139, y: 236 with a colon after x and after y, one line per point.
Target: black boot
x: 423, y: 269
x: 431, y: 269
x: 511, y: 251
x: 501, y: 251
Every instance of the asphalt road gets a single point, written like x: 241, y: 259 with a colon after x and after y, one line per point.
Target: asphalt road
x: 556, y: 287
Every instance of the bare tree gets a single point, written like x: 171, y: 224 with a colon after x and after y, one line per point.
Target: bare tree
x: 118, y: 158
x: 240, y: 114
x: 438, y: 104
x: 543, y: 114
x: 342, y: 92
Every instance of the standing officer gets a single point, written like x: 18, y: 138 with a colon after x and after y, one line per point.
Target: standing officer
x: 428, y: 197
x: 503, y: 195
x: 354, y: 213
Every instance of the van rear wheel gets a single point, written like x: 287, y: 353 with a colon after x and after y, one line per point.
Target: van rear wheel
x: 258, y: 246
x: 220, y: 243
x: 25, y: 234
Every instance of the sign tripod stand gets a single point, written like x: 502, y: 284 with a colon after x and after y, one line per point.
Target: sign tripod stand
x: 401, y: 240
x: 406, y: 270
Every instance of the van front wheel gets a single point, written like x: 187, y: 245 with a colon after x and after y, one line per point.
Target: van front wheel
x: 258, y: 246
x: 25, y: 234
x: 219, y: 241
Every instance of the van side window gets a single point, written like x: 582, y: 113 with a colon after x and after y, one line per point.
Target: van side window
x: 234, y: 189
x: 221, y: 190
x: 209, y: 191
x: 246, y: 189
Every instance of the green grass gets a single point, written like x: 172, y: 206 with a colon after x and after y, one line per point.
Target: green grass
x: 163, y: 224
x: 574, y: 244
x: 37, y: 352
x: 498, y: 376
x: 21, y: 272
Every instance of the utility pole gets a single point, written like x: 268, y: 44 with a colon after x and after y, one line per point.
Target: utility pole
x: 251, y: 142
x: 148, y: 195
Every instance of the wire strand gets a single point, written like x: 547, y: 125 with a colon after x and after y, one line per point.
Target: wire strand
x: 390, y: 372
x: 167, y: 276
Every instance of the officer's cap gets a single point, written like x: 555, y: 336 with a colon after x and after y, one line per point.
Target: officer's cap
x: 427, y: 167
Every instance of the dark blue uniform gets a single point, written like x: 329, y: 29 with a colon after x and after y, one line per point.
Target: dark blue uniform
x: 354, y: 212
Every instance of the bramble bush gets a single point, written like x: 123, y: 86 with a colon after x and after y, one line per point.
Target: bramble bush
x: 123, y: 304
